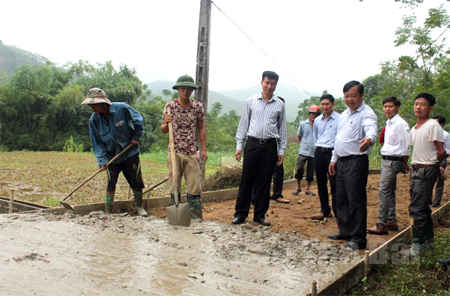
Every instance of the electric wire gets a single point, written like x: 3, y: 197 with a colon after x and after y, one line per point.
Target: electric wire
x: 259, y: 47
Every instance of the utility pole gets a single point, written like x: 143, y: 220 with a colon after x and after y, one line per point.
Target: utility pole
x: 202, y: 72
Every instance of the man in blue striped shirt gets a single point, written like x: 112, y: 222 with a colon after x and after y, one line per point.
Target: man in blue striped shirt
x: 263, y: 127
x: 357, y: 132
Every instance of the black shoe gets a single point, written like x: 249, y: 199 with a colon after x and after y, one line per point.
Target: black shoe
x: 339, y: 236
x: 262, y: 221
x: 237, y: 220
x: 436, y: 205
x: 444, y: 262
x: 355, y: 246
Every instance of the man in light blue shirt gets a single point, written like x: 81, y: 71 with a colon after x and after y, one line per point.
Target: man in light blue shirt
x: 357, y: 132
x: 112, y: 127
x: 305, y: 136
x: 325, y: 129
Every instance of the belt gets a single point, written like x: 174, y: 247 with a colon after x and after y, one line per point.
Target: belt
x: 324, y: 149
x: 394, y: 158
x: 416, y: 166
x: 262, y: 141
x: 344, y: 158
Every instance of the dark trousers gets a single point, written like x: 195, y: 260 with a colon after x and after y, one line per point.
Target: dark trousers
x: 351, y: 196
x: 421, y: 185
x: 131, y: 169
x: 257, y: 169
x: 322, y: 161
x: 278, y: 178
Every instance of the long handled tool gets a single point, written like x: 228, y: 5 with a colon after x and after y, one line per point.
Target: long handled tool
x: 178, y: 214
x: 151, y: 188
x: 69, y: 207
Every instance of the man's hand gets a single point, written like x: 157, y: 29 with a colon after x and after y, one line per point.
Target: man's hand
x: 405, y: 169
x: 103, y: 167
x: 134, y: 143
x: 331, y: 168
x: 204, y: 156
x: 238, y: 154
x: 442, y: 174
x: 167, y: 118
x: 280, y: 160
x: 365, y: 144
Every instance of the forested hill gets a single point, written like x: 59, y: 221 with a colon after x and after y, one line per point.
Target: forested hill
x: 234, y: 99
x: 12, y: 57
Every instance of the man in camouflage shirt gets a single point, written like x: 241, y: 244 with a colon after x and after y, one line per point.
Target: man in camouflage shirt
x: 187, y: 117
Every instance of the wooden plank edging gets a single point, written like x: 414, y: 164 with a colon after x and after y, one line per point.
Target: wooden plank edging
x: 380, y: 255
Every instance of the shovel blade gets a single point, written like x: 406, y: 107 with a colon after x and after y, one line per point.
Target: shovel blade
x: 179, y: 215
x: 67, y: 206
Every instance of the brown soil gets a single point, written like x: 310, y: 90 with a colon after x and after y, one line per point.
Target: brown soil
x: 296, y: 217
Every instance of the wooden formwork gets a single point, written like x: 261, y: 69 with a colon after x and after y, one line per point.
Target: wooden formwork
x: 380, y: 255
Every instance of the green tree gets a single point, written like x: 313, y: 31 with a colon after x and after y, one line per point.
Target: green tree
x: 428, y: 49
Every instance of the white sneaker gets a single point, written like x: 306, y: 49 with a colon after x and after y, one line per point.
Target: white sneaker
x: 141, y: 211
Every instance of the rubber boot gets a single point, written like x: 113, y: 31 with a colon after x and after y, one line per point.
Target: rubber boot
x: 109, y: 201
x: 429, y: 234
x: 418, y: 240
x: 195, y: 205
x: 138, y: 202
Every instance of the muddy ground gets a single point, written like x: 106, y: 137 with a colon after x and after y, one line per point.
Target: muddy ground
x: 296, y: 216
x: 122, y: 254
x: 47, y: 254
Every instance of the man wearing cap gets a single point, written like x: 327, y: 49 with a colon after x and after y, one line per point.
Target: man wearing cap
x: 112, y: 127
x: 305, y: 136
x: 188, y: 118
x: 263, y: 127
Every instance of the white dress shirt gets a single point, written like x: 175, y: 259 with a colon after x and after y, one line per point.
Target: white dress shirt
x: 396, y: 137
x: 352, y: 128
x: 447, y: 142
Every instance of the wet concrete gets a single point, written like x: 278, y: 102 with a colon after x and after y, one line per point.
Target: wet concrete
x: 46, y: 254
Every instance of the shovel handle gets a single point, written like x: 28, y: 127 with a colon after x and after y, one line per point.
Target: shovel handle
x: 172, y: 158
x: 96, y: 173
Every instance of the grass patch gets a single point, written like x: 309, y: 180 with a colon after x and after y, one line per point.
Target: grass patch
x: 37, y: 176
x: 424, y: 278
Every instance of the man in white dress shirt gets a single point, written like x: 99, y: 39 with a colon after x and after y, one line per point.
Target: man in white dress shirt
x: 394, y: 159
x: 357, y: 132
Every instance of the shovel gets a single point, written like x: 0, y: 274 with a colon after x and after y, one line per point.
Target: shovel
x: 178, y: 214
x: 69, y: 207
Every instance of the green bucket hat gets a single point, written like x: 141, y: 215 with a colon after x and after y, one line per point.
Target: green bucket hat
x: 185, y: 80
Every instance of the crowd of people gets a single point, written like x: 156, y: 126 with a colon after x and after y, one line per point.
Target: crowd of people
x: 334, y: 148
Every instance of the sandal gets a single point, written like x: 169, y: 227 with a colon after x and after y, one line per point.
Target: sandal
x: 310, y: 193
x: 296, y: 191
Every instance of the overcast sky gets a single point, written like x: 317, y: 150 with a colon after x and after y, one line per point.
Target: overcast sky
x: 321, y: 44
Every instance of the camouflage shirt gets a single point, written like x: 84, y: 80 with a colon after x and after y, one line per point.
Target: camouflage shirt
x: 184, y: 121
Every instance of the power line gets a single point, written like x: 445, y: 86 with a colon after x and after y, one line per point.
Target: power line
x: 259, y: 47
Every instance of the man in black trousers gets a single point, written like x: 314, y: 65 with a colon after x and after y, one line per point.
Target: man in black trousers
x: 263, y: 127
x: 357, y: 132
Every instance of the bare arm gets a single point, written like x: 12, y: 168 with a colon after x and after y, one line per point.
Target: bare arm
x: 440, y: 150
x: 202, y: 139
x: 165, y: 123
